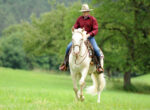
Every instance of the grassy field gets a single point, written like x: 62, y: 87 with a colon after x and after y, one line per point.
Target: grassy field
x: 32, y: 90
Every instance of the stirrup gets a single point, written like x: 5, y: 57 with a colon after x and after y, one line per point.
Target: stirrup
x: 63, y: 67
x: 98, y: 69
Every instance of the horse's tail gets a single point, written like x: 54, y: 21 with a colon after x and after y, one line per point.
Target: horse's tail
x: 98, y: 84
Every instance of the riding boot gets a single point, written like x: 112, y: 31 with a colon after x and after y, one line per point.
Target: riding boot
x: 64, y: 65
x: 99, y: 65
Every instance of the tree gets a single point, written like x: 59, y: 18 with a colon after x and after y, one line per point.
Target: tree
x: 12, y: 53
x: 50, y: 34
x: 127, y: 20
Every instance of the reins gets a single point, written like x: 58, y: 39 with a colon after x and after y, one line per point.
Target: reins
x: 84, y: 55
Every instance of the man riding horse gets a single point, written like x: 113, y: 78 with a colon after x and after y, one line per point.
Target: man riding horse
x: 89, y: 23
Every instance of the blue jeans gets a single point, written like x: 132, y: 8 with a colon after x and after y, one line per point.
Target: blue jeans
x: 94, y: 44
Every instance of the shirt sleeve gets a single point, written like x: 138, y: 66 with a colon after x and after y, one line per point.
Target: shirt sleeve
x: 95, y: 28
x: 77, y: 25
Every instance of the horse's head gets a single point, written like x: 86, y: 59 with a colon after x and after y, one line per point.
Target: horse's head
x: 78, y: 38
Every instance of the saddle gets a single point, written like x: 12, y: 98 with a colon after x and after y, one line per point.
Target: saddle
x: 91, y: 52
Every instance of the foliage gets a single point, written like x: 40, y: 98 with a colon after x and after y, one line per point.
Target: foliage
x: 124, y: 29
x: 44, y: 35
x: 12, y: 53
x: 14, y: 11
x: 12, y: 46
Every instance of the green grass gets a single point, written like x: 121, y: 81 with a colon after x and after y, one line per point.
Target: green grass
x: 31, y: 90
x: 144, y: 79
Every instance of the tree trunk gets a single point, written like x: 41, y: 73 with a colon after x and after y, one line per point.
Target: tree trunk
x: 127, y: 80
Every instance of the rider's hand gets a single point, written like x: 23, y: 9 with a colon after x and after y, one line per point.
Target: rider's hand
x: 72, y: 28
x: 88, y: 35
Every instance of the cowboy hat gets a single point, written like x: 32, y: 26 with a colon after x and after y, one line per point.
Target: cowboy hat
x: 85, y: 8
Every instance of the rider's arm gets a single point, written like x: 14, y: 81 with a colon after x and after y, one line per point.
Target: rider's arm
x: 95, y: 28
x: 77, y: 25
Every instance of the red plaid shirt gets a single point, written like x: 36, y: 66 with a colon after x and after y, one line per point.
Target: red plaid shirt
x: 90, y: 24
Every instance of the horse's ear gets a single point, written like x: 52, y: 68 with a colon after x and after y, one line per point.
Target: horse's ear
x: 72, y: 30
x: 83, y: 29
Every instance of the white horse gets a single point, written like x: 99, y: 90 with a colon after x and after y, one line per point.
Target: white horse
x: 79, y: 62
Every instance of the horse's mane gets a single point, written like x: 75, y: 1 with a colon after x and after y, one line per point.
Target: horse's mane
x: 80, y: 30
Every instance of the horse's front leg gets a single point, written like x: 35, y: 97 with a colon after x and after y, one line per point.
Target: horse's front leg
x: 74, y: 80
x: 82, y: 82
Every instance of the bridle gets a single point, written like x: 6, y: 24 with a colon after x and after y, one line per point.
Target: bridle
x: 73, y: 46
x: 78, y: 55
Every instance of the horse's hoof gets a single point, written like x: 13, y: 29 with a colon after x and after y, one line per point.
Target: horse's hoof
x: 98, y: 101
x: 82, y: 98
x: 78, y: 94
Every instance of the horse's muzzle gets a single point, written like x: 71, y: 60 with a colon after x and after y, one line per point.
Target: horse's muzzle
x: 76, y: 49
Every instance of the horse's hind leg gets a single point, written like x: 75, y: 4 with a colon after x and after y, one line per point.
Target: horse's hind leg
x: 101, y: 85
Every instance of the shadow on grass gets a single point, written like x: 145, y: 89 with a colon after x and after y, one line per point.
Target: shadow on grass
x: 136, y: 87
x: 140, y: 88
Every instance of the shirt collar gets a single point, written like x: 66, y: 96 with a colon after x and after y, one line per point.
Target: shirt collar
x: 87, y: 17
